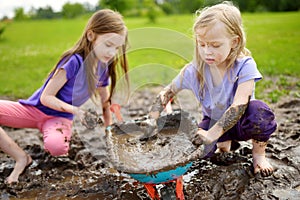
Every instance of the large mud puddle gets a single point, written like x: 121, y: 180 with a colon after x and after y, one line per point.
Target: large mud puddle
x: 136, y: 147
x: 86, y: 174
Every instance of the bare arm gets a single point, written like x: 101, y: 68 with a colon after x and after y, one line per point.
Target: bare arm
x: 232, y: 114
x: 48, y: 97
x: 104, y: 95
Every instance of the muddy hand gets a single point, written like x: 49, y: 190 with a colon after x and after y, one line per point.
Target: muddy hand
x: 91, y: 119
x: 201, y: 137
x: 197, y: 140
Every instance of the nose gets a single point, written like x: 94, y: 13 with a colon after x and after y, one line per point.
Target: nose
x: 207, y: 50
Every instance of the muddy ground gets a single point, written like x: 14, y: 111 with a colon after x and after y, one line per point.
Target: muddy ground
x: 84, y: 174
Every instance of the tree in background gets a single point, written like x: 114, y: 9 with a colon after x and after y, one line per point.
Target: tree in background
x: 45, y: 13
x: 72, y: 10
x: 134, y: 8
x: 152, y: 9
x: 281, y: 5
x: 2, y: 29
x: 19, y: 14
x: 267, y: 5
x: 117, y: 5
x: 188, y: 6
x: 181, y: 6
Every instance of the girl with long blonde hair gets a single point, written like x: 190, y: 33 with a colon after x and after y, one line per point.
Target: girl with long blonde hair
x: 222, y: 76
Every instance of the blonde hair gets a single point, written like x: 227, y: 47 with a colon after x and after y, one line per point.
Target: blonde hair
x: 230, y: 15
x: 101, y: 22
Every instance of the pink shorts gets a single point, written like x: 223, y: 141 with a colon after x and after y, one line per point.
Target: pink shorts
x: 57, y: 131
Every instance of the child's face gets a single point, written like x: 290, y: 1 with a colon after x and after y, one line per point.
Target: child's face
x: 214, y: 44
x: 106, y: 46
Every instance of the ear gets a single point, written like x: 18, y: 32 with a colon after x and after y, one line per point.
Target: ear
x: 90, y: 35
x: 235, y: 41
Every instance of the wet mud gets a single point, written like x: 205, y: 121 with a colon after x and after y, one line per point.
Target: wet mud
x: 86, y: 173
x: 132, y: 148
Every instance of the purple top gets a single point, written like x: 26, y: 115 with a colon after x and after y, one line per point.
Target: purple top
x: 216, y: 99
x: 75, y: 90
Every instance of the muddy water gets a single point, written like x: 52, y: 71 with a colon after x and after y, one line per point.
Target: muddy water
x: 172, y: 144
x: 84, y: 173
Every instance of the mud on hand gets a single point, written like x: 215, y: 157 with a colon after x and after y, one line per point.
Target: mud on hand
x: 91, y: 119
x: 197, y: 140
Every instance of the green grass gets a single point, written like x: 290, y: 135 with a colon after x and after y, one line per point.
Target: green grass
x: 29, y: 49
x: 274, y: 41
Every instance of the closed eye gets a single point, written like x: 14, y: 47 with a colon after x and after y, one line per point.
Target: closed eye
x: 108, y: 44
x: 201, y: 44
x: 216, y: 45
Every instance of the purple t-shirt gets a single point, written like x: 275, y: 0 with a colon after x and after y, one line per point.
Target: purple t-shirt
x: 75, y: 90
x: 216, y: 99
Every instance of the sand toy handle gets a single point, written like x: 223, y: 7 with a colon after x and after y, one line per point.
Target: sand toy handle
x: 115, y: 108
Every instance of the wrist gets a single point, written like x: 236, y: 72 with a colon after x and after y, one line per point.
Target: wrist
x: 108, y: 129
x: 77, y: 110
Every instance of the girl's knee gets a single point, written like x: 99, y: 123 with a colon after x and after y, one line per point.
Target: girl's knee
x: 259, y: 120
x: 57, y: 134
x: 261, y: 113
x: 56, y: 145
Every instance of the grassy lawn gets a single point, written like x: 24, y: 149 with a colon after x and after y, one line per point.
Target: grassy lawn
x: 29, y: 49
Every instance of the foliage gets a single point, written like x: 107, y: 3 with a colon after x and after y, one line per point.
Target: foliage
x: 154, y: 8
x: 2, y: 29
x: 134, y: 8
x: 268, y: 5
x: 118, y: 5
x: 186, y: 6
x: 32, y: 48
x: 72, y: 10
x: 69, y: 10
x: 20, y: 14
x: 181, y: 6
x: 45, y: 13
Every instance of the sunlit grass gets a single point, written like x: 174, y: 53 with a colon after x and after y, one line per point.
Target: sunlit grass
x: 29, y: 49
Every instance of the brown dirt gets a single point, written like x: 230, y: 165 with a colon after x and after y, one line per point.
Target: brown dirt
x: 84, y: 174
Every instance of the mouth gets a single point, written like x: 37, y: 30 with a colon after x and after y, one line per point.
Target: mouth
x: 209, y: 60
x: 106, y: 58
